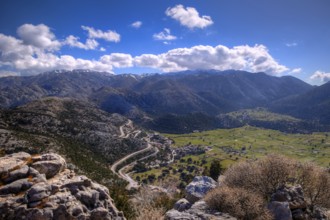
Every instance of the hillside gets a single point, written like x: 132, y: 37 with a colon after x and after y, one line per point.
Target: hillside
x: 178, y: 99
x: 312, y: 105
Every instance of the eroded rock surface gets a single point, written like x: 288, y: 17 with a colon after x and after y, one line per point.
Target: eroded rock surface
x: 40, y: 187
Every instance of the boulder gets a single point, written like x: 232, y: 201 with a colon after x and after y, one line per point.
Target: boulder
x: 198, y: 188
x: 182, y: 205
x: 199, y: 210
x: 280, y: 210
x: 293, y: 195
x: 49, y: 164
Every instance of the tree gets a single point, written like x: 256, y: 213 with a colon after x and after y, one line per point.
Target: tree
x: 215, y: 169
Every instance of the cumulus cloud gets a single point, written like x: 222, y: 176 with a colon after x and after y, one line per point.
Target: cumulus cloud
x: 38, y: 36
x: 296, y: 70
x: 189, y: 17
x: 136, y: 24
x: 118, y: 60
x: 32, y: 56
x: 73, y: 41
x: 164, y: 35
x: 323, y: 76
x: 29, y: 56
x: 109, y: 35
x: 254, y: 59
x: 5, y: 73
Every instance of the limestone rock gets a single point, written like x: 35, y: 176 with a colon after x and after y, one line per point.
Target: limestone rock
x: 182, y: 205
x: 280, y: 210
x: 198, y: 188
x: 199, y: 210
x: 39, y: 187
x: 49, y: 164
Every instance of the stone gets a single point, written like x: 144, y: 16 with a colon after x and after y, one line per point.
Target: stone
x: 280, y: 210
x: 38, y: 192
x: 198, y: 188
x: 298, y: 214
x: 49, y: 164
x: 199, y: 210
x: 15, y: 187
x: 20, y: 173
x: 293, y: 195
x: 182, y: 205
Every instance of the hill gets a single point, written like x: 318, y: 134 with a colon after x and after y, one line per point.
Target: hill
x: 313, y: 105
x: 178, y: 99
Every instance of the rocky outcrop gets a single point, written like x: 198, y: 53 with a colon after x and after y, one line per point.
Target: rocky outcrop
x: 40, y: 187
x: 198, y: 188
x: 193, y: 206
x: 199, y: 210
x: 288, y: 203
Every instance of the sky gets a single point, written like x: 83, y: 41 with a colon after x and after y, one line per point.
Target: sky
x: 278, y: 37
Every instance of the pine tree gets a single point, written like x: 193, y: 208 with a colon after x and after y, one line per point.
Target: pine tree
x: 215, y: 169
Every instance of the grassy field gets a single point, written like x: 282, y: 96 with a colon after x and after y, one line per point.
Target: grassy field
x: 239, y: 144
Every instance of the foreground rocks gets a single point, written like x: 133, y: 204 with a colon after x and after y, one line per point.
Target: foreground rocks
x: 193, y: 206
x: 40, y: 187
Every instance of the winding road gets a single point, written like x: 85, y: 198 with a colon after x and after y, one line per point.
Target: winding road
x: 121, y: 173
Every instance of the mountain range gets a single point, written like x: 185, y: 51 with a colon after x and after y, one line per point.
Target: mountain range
x: 176, y: 102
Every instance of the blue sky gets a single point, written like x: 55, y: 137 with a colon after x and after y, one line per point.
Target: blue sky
x: 279, y: 37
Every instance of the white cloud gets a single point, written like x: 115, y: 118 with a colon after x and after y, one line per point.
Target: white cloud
x: 254, y: 59
x: 102, y: 49
x: 188, y: 17
x: 30, y: 57
x: 293, y: 44
x: 164, y: 35
x: 73, y: 41
x: 118, y: 60
x: 296, y: 70
x: 5, y: 73
x: 323, y: 76
x: 109, y: 35
x: 136, y: 24
x: 38, y: 36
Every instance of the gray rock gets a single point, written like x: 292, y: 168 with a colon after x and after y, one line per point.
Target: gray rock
x: 49, y: 164
x: 182, y: 205
x: 198, y: 188
x: 280, y: 210
x: 38, y: 192
x: 293, y: 195
x: 198, y: 211
x: 20, y: 173
x: 15, y: 187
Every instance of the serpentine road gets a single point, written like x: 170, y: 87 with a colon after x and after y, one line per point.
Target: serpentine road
x: 121, y: 173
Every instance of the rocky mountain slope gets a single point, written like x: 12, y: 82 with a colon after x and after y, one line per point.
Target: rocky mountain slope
x: 150, y: 99
x: 41, y: 187
x: 313, y: 105
x: 52, y: 122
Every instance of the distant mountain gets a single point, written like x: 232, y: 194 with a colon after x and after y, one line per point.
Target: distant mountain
x: 151, y: 99
x: 312, y: 105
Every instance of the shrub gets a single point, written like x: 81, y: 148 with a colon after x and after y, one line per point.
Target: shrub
x: 266, y: 175
x: 238, y: 202
x: 263, y: 176
x: 315, y: 182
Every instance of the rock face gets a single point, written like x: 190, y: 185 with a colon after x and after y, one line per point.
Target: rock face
x: 198, y: 188
x: 40, y: 187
